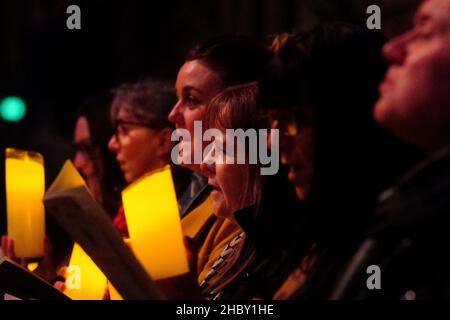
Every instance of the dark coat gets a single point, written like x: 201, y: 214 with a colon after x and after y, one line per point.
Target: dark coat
x: 410, y: 240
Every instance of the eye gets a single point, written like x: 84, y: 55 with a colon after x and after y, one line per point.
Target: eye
x: 424, y: 35
x: 123, y: 129
x: 218, y: 146
x: 191, y: 101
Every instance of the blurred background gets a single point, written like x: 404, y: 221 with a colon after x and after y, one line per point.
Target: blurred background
x: 53, y: 69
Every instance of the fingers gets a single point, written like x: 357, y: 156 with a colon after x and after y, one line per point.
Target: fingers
x: 8, y: 249
x: 62, y: 272
x: 61, y: 286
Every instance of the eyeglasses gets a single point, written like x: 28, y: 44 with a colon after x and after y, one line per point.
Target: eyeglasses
x: 290, y: 121
x: 122, y: 128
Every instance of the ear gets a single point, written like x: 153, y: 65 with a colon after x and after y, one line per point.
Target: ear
x: 165, y: 145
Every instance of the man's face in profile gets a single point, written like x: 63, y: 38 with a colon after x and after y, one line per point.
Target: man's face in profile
x: 415, y: 95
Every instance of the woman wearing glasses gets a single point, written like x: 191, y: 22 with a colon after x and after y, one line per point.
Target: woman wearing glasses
x: 320, y: 90
x: 141, y: 139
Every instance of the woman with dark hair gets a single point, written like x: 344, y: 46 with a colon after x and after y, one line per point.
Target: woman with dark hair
x: 211, y: 67
x: 95, y: 162
x: 320, y: 89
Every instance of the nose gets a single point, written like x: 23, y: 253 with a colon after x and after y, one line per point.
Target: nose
x: 208, y: 165
x: 395, y: 50
x: 176, y: 115
x: 113, y: 144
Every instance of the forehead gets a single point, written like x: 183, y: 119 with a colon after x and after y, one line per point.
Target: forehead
x: 437, y: 11
x: 197, y: 75
x: 124, y: 112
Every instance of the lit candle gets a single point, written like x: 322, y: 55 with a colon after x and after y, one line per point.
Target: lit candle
x: 84, y: 280
x: 25, y: 188
x: 154, y: 226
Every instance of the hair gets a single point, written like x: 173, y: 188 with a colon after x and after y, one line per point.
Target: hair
x: 236, y: 108
x: 334, y: 70
x: 150, y: 101
x: 96, y: 111
x: 237, y: 59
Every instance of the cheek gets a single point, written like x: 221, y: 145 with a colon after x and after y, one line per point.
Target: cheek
x: 193, y: 115
x: 231, y: 177
x: 426, y: 85
x: 127, y: 148
x: 411, y: 92
x: 427, y: 73
x: 90, y: 167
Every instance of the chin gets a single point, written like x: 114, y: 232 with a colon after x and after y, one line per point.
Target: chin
x: 221, y: 212
x: 128, y: 178
x: 380, y: 111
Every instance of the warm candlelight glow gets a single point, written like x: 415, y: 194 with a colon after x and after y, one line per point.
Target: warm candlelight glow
x: 84, y: 280
x: 25, y: 187
x: 153, y: 220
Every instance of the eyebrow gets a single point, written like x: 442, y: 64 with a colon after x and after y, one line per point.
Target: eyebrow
x: 189, y: 88
x: 422, y: 16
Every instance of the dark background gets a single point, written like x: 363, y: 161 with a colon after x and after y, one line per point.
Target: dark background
x: 54, y: 69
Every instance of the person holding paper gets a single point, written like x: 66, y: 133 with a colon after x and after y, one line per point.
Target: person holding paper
x: 100, y: 170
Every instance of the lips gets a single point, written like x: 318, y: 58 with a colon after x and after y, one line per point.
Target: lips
x: 383, y: 87
x: 122, y: 163
x: 387, y: 82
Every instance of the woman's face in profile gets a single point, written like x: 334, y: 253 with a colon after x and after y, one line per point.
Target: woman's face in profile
x: 228, y: 180
x: 297, y: 148
x: 196, y: 85
x: 136, y: 146
x: 87, y: 157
